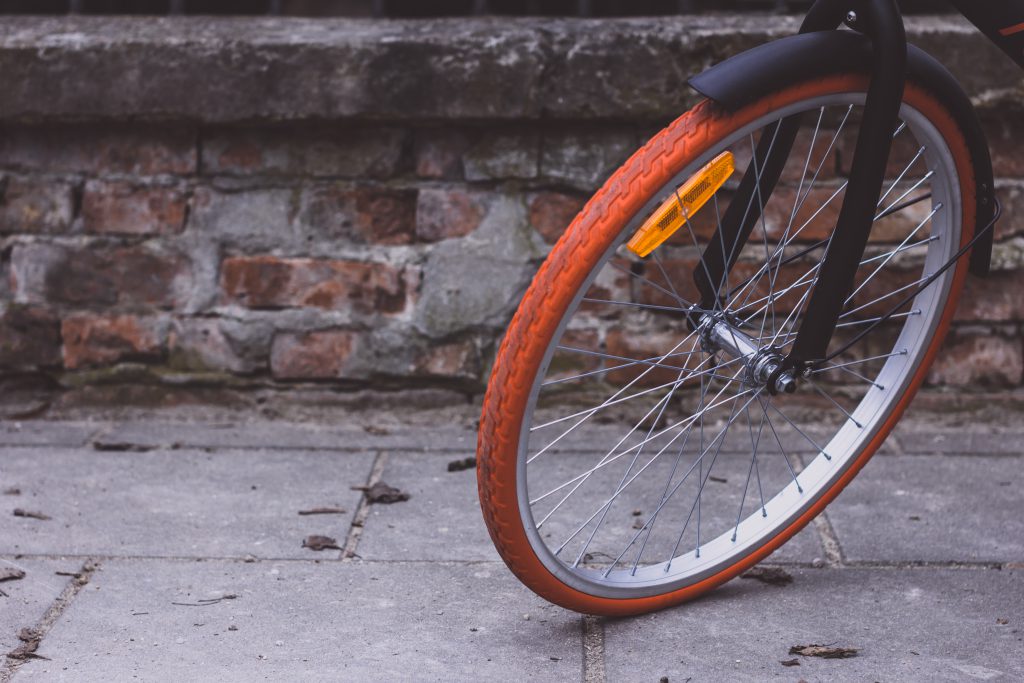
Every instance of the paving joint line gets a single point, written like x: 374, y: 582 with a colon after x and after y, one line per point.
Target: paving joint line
x: 355, y: 531
x: 826, y: 533
x: 52, y: 614
x: 896, y: 444
x: 593, y: 649
x: 829, y: 541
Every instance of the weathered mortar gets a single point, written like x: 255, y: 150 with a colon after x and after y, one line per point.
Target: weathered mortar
x: 353, y: 201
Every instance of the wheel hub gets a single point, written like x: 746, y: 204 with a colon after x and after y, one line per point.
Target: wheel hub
x: 764, y: 366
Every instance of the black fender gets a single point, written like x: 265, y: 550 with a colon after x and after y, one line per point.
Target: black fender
x: 748, y: 76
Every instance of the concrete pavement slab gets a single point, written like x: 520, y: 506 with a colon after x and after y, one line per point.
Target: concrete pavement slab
x: 176, y: 503
x: 301, y: 621
x: 966, y: 441
x: 27, y: 599
x: 914, y: 625
x: 441, y: 521
x: 933, y: 509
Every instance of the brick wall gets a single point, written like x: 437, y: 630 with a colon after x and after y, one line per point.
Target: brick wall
x: 302, y: 236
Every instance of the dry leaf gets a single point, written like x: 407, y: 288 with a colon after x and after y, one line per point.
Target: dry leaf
x: 320, y: 543
x: 206, y: 602
x: 322, y: 511
x: 382, y: 493
x: 461, y: 465
x: 790, y: 662
x: 11, y: 574
x: 18, y: 512
x: 29, y: 643
x: 825, y: 651
x: 776, y: 576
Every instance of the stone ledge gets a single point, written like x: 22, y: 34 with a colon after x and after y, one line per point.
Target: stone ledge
x: 216, y: 70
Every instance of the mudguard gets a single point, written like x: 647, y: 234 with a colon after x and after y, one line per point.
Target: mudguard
x: 750, y: 75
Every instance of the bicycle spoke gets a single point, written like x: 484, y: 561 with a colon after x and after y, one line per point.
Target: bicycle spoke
x: 834, y: 402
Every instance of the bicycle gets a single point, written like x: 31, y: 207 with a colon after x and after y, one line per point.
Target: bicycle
x: 764, y: 331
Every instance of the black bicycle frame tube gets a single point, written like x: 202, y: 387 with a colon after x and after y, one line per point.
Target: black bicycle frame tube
x: 1001, y: 20
x: 881, y: 21
x: 759, y: 180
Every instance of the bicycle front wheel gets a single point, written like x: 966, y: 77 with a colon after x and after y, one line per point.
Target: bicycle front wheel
x: 627, y: 462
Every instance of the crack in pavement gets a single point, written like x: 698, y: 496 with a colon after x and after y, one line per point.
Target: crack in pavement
x: 50, y: 617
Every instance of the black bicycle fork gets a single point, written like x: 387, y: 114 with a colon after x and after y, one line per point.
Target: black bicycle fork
x: 881, y: 21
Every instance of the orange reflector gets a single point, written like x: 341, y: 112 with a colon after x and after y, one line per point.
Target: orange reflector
x: 683, y: 205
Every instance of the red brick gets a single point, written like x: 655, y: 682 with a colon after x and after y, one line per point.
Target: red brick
x: 91, y: 340
x: 365, y: 215
x: 219, y: 345
x: 1011, y: 222
x: 904, y: 149
x: 126, y: 209
x: 122, y: 148
x: 611, y: 284
x: 569, y: 363
x: 500, y: 154
x: 99, y: 276
x: 552, y: 212
x: 29, y: 337
x: 35, y: 206
x: 272, y: 282
x: 996, y: 297
x: 439, y: 153
x: 655, y: 290
x: 979, y: 360
x: 888, y: 280
x: 649, y: 343
x: 385, y: 216
x: 457, y: 360
x: 443, y: 214
x: 1004, y: 134
x: 826, y: 167
x: 311, y: 355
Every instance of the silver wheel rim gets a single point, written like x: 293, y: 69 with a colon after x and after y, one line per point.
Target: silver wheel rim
x: 766, y: 515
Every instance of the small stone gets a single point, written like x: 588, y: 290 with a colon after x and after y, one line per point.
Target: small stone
x: 817, y: 563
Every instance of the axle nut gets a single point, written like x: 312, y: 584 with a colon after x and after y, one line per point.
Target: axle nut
x: 785, y: 383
